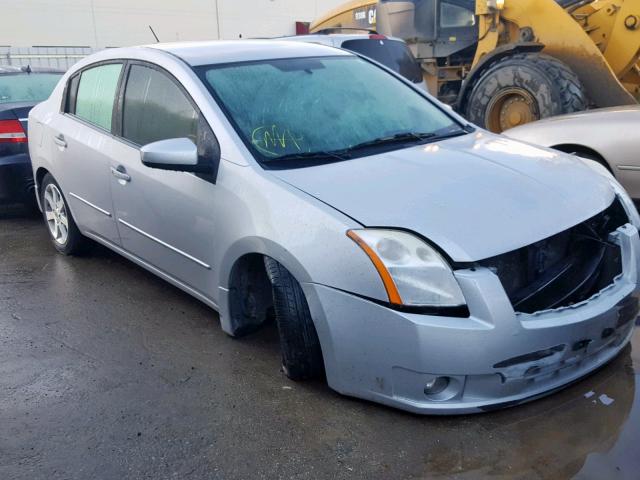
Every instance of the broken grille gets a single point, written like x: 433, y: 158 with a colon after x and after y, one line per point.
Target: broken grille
x: 564, y: 269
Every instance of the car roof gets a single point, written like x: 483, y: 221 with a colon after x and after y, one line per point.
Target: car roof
x: 218, y: 52
x: 12, y: 69
x: 341, y: 37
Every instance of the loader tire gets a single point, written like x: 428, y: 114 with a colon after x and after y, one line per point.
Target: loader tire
x: 299, y: 343
x: 522, y: 88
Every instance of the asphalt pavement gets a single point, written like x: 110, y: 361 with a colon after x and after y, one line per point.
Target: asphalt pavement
x: 107, y: 372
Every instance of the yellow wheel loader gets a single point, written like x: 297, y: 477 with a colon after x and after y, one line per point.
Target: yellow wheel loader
x: 503, y: 63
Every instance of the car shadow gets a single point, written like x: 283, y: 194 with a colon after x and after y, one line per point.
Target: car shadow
x: 18, y: 211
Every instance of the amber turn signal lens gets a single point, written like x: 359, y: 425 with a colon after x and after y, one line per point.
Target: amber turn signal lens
x: 387, y: 281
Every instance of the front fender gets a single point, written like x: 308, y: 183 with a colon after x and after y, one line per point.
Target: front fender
x: 308, y: 237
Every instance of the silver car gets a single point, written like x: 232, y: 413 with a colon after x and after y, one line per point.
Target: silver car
x: 391, y: 52
x: 410, y: 257
x: 606, y: 135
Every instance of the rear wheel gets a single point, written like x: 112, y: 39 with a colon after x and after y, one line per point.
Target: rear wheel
x: 299, y: 343
x: 63, y: 230
x: 523, y: 88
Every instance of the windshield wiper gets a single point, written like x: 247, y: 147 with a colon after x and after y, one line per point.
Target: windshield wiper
x: 391, y: 140
x: 406, y: 137
x: 322, y: 155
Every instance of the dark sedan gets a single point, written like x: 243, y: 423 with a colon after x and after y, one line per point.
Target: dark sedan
x: 20, y: 89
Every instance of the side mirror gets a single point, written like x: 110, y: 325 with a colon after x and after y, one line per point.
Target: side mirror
x: 178, y: 154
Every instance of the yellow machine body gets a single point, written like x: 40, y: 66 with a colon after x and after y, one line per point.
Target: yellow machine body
x: 598, y: 40
x: 595, y: 44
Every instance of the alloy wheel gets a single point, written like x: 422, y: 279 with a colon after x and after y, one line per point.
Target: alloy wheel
x: 55, y: 212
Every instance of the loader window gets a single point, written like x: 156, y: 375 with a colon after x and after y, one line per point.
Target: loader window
x: 454, y: 16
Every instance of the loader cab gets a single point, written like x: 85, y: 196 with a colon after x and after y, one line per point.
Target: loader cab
x: 438, y: 28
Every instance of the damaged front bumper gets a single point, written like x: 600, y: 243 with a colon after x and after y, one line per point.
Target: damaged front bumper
x: 494, y: 358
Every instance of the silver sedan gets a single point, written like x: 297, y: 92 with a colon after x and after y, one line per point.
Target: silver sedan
x: 607, y: 135
x: 410, y: 257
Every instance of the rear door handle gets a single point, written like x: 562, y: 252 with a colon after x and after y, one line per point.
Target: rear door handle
x: 60, y: 141
x: 120, y: 173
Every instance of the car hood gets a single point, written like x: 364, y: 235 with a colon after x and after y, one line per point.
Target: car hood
x: 474, y: 196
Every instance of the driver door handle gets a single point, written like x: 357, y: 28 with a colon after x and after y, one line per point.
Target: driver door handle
x: 120, y: 173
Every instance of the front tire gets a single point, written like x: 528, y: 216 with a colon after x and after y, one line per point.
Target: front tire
x: 63, y: 231
x: 299, y: 343
x: 523, y: 88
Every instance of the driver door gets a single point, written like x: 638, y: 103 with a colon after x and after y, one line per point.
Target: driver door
x: 165, y: 218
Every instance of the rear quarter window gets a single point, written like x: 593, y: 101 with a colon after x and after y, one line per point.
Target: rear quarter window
x: 72, y: 93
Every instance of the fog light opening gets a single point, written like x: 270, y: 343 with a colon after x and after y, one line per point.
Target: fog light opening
x: 436, y: 386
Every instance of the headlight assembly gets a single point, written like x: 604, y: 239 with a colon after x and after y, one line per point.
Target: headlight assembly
x: 413, y: 272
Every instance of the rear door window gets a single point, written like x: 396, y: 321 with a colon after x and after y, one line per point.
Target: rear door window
x: 393, y: 54
x: 96, y: 94
x: 72, y: 94
x: 155, y: 108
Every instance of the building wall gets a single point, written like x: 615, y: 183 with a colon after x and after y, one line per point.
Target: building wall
x: 114, y: 23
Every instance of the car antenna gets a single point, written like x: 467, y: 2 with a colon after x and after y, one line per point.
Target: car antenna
x: 154, y: 34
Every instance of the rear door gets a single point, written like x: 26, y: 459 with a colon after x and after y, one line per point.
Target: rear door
x: 83, y: 145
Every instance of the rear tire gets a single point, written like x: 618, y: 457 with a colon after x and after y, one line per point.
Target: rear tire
x: 62, y: 228
x: 522, y: 88
x: 299, y: 343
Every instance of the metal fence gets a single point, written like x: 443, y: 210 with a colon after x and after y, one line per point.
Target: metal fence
x: 43, y: 56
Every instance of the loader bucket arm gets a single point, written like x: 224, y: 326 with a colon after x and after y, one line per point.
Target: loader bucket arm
x: 566, y: 40
x: 623, y: 48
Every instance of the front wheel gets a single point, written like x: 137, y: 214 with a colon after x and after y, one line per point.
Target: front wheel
x: 523, y: 88
x: 299, y: 343
x: 64, y: 233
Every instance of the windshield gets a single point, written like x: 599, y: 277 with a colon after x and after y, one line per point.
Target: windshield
x: 332, y: 107
x: 27, y: 87
x: 393, y: 54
